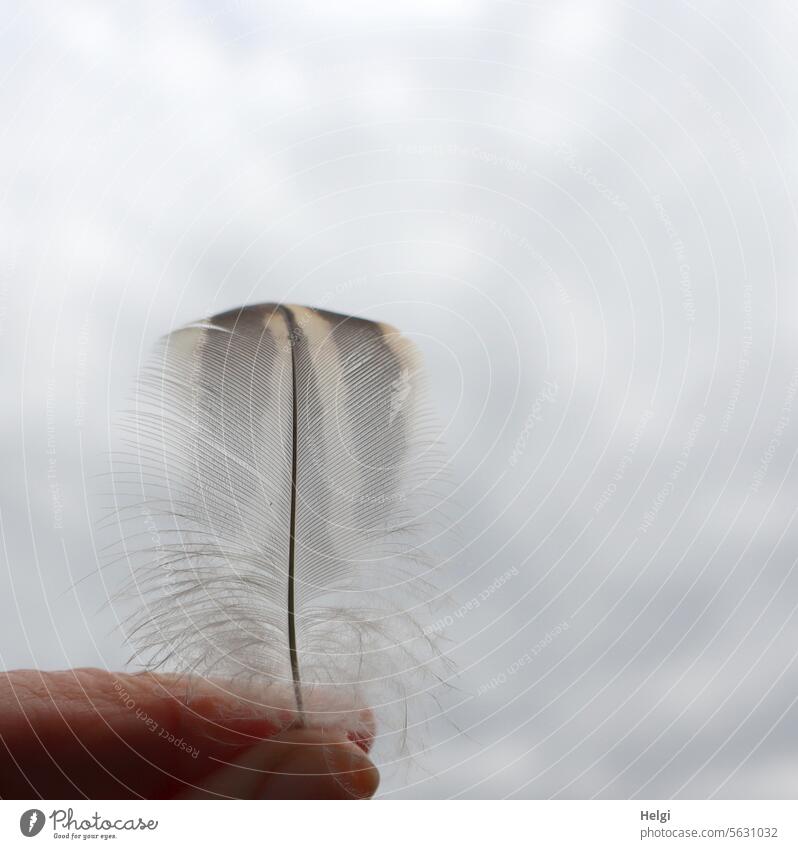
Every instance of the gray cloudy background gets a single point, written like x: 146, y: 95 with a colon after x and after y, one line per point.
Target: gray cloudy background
x: 585, y: 212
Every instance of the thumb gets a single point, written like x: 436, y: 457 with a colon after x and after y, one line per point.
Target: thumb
x: 301, y: 763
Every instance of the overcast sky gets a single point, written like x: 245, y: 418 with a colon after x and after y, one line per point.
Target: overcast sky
x: 585, y: 213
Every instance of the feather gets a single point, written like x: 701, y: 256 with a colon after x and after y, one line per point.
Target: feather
x: 285, y: 463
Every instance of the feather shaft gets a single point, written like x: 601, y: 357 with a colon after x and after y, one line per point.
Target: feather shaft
x: 292, y: 646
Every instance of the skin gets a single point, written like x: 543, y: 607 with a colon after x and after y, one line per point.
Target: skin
x: 90, y: 733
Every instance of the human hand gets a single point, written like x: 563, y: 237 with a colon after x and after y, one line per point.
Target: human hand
x: 104, y: 735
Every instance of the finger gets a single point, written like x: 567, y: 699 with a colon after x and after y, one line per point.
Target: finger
x: 298, y: 764
x: 97, y: 734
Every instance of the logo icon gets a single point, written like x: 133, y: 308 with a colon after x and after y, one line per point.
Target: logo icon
x: 31, y: 822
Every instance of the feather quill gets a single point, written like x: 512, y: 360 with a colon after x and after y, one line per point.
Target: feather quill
x: 284, y: 461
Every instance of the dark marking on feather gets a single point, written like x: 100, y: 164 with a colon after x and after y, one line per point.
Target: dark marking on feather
x: 371, y: 369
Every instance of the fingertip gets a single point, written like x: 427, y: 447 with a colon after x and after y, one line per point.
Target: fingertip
x: 298, y: 764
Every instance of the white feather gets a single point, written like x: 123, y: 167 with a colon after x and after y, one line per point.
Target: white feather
x: 244, y: 420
